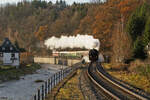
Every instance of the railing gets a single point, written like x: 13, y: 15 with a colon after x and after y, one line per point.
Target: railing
x: 49, y: 84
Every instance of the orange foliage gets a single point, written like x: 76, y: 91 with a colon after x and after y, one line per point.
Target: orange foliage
x: 40, y: 34
x: 127, y: 6
x: 101, y: 20
x: 26, y: 57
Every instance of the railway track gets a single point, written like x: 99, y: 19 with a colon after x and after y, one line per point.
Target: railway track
x: 110, y: 87
x: 90, y: 90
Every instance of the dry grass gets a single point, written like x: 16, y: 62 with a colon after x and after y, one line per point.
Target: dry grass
x: 71, y: 90
x: 118, y: 66
x: 138, y: 78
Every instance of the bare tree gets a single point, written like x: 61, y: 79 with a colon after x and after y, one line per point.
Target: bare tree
x: 121, y: 44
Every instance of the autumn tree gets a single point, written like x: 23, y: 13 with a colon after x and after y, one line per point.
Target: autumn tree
x: 41, y: 33
x: 32, y: 21
x: 121, y: 42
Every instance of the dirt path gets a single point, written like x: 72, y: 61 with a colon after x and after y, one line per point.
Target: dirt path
x: 77, y: 88
x: 71, y: 90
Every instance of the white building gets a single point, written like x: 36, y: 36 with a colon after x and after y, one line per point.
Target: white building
x: 9, y: 54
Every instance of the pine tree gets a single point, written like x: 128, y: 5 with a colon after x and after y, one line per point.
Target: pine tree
x: 138, y: 50
x: 135, y: 26
x: 146, y: 36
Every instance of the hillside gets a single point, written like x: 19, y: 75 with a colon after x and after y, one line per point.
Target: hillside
x: 30, y: 23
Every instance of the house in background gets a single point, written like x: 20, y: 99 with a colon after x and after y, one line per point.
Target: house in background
x: 9, y: 54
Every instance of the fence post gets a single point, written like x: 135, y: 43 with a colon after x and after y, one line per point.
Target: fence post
x: 51, y: 83
x: 35, y: 97
x: 65, y: 72
x: 59, y: 76
x: 42, y: 92
x: 62, y: 75
x: 54, y: 80
x: 45, y: 88
x: 39, y: 96
x: 48, y: 85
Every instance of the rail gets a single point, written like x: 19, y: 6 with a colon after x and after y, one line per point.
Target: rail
x: 101, y: 79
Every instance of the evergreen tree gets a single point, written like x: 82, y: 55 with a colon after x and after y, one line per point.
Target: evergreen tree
x: 17, y: 45
x: 146, y: 36
x: 135, y: 26
x: 138, y: 50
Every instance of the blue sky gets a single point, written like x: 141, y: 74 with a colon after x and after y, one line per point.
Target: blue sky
x: 68, y: 1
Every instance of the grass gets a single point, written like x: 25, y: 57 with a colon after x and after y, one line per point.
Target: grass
x: 140, y: 78
x: 71, y: 90
x: 144, y: 70
x: 11, y: 73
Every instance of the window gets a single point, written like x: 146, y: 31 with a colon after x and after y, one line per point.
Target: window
x: 11, y: 48
x: 7, y: 42
x: 12, y: 55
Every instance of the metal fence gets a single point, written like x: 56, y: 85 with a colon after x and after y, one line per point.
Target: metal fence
x: 49, y: 84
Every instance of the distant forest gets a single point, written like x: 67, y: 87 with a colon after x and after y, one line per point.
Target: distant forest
x: 30, y: 23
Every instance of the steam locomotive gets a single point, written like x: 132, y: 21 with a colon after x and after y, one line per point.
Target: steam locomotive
x: 93, y: 55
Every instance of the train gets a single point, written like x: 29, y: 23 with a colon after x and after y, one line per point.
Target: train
x: 93, y: 56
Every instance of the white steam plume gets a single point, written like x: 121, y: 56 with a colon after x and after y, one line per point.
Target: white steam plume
x: 79, y: 41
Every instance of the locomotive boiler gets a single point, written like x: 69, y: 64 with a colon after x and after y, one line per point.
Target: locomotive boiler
x: 93, y: 55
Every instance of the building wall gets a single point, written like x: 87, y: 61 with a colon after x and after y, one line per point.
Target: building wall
x: 52, y: 60
x: 17, y: 61
x: 7, y: 59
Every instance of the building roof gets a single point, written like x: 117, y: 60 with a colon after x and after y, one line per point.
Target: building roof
x: 7, y: 46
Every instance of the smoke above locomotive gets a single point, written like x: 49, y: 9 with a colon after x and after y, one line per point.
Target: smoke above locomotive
x: 79, y: 41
